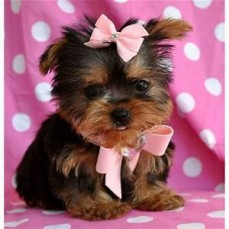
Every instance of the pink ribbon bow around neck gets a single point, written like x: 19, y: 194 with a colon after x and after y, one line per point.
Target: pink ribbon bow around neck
x: 128, y: 41
x: 155, y: 141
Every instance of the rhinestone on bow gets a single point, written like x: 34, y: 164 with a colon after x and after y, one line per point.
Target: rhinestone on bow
x: 114, y: 36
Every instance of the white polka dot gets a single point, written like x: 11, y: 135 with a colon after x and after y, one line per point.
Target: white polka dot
x: 13, y: 181
x: 15, y: 223
x: 191, y: 226
x: 219, y: 32
x: 202, y: 4
x: 19, y: 64
x: 121, y: 1
x: 220, y: 195
x: 53, y: 212
x: 213, y: 86
x: 200, y: 200
x: 66, y: 6
x: 15, y: 6
x: 140, y: 219
x: 41, y: 31
x: 185, y: 102
x: 16, y: 210
x: 171, y: 12
x: 216, y: 214
x: 208, y: 138
x: 192, y: 167
x: 178, y: 209
x: 220, y: 188
x: 58, y: 226
x: 192, y: 51
x: 43, y: 92
x: 21, y: 122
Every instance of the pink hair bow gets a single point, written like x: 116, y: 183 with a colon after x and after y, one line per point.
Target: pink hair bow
x: 154, y: 141
x: 128, y: 41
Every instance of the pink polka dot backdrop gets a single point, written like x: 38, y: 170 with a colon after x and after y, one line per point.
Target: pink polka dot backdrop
x: 197, y: 92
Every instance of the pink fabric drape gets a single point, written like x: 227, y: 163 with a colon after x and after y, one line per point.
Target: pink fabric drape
x: 197, y: 90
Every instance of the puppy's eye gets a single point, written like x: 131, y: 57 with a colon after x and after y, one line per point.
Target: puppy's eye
x: 141, y: 86
x: 93, y: 91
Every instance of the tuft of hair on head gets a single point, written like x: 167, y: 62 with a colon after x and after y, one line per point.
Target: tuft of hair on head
x: 167, y: 29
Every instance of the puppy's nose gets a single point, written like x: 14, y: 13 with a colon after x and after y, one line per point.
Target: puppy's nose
x: 120, y: 116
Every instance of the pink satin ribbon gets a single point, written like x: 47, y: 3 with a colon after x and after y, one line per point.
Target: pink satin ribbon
x: 128, y: 41
x: 154, y: 141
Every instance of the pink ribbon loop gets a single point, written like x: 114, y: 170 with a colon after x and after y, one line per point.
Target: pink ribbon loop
x: 128, y: 41
x: 157, y: 140
x: 154, y: 141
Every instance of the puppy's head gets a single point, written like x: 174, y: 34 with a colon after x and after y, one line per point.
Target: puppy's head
x: 104, y: 98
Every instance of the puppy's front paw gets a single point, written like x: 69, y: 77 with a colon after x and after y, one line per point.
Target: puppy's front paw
x: 173, y: 202
x: 101, y: 211
x: 160, y: 202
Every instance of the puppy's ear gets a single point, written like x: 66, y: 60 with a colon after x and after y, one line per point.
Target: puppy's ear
x: 167, y: 29
x: 48, y: 60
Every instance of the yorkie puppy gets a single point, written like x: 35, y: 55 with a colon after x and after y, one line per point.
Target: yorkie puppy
x: 111, y: 89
